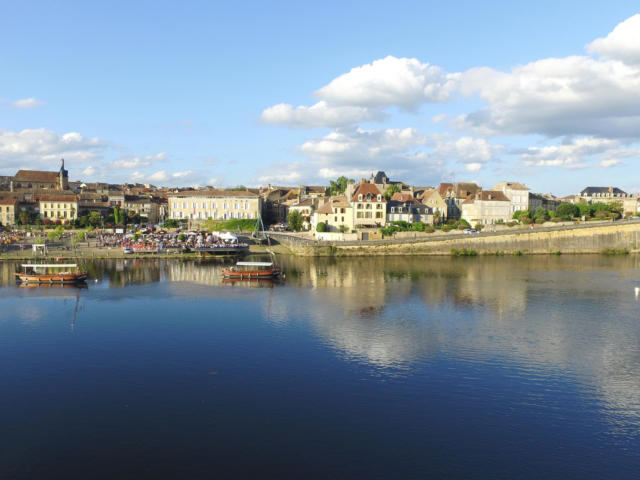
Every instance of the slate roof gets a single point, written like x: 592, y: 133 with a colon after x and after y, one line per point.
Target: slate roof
x: 589, y: 191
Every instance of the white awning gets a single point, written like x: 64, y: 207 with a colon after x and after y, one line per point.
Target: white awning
x: 254, y: 264
x: 49, y: 265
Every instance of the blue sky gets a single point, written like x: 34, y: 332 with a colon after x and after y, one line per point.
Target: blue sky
x: 300, y: 92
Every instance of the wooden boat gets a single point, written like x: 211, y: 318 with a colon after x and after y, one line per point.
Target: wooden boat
x: 49, y: 273
x: 251, y: 270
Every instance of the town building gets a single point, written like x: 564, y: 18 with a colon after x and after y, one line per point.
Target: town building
x: 214, y: 204
x: 58, y: 207
x: 486, y: 208
x: 8, y: 207
x: 517, y: 193
x: 432, y: 199
x: 34, y: 180
x: 403, y: 207
x: 336, y: 213
x: 306, y: 208
x: 369, y: 205
x: 454, y: 194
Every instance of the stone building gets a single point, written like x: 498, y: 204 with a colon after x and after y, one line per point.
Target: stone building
x: 8, y: 207
x: 487, y: 208
x: 214, y: 204
x: 58, y: 207
x: 516, y: 192
x: 33, y: 180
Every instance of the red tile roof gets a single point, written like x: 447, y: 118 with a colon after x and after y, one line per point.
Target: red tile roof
x: 36, y: 176
x: 365, y: 189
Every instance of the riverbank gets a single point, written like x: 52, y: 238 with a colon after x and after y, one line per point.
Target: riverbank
x: 83, y: 252
x: 588, y: 239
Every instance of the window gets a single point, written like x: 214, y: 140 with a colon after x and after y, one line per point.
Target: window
x: 393, y: 209
x: 379, y: 197
x: 360, y: 197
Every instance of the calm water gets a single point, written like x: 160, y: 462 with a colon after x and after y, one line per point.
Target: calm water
x: 525, y: 367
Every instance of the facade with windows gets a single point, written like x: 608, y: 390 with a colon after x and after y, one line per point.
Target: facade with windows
x: 214, y: 205
x: 7, y: 211
x: 336, y: 213
x: 58, y: 207
x: 369, y: 206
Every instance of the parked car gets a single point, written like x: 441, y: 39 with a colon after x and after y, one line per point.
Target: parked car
x: 469, y: 231
x: 127, y: 250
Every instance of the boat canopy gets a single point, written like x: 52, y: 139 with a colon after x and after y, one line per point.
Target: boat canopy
x: 49, y: 265
x: 254, y: 264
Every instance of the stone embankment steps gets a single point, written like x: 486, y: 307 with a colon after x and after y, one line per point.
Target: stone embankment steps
x: 582, y: 238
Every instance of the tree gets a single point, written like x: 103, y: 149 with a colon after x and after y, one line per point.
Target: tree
x: 391, y: 189
x: 541, y: 213
x: 321, y: 227
x: 567, y: 210
x: 343, y: 229
x: 117, y: 215
x: 339, y: 185
x: 24, y: 218
x: 94, y: 219
x: 294, y: 219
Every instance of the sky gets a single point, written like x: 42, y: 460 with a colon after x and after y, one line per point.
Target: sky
x: 252, y: 93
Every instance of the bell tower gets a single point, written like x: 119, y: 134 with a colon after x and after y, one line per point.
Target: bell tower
x: 63, y: 177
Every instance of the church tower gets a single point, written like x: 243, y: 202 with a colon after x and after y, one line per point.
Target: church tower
x: 63, y: 177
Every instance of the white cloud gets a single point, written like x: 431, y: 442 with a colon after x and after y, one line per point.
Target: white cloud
x: 89, y: 171
x: 556, y: 97
x: 578, y: 153
x: 623, y: 43
x: 169, y: 179
x: 42, y: 149
x: 319, y: 115
x: 358, y: 144
x: 611, y: 162
x: 404, y: 82
x: 465, y: 149
x: 473, y: 166
x: 131, y: 162
x: 27, y: 103
x: 290, y: 177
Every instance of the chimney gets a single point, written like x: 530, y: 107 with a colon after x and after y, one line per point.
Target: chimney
x: 610, y: 189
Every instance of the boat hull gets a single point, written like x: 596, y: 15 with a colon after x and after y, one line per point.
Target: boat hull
x: 49, y: 278
x: 250, y: 274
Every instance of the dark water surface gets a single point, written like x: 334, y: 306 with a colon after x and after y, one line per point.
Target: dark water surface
x: 493, y: 367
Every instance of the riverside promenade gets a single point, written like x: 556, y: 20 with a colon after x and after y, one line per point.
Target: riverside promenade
x: 589, y: 237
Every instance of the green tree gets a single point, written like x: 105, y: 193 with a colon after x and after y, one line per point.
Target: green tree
x: 567, y: 210
x: 24, y: 218
x: 391, y: 189
x: 58, y: 231
x: 321, y: 227
x: 541, y: 213
x: 94, y: 219
x: 339, y: 185
x: 52, y: 236
x: 585, y: 209
x: 343, y: 229
x: 294, y: 219
x: 117, y: 215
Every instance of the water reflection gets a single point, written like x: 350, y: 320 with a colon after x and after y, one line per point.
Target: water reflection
x: 574, y: 314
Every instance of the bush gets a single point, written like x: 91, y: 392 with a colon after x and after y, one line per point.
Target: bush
x: 479, y: 226
x: 321, y: 227
x: 567, y: 210
x: 540, y: 220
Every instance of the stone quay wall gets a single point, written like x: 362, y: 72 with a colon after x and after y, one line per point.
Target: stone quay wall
x: 577, y: 239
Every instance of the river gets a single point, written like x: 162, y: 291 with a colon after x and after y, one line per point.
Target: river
x: 384, y: 367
